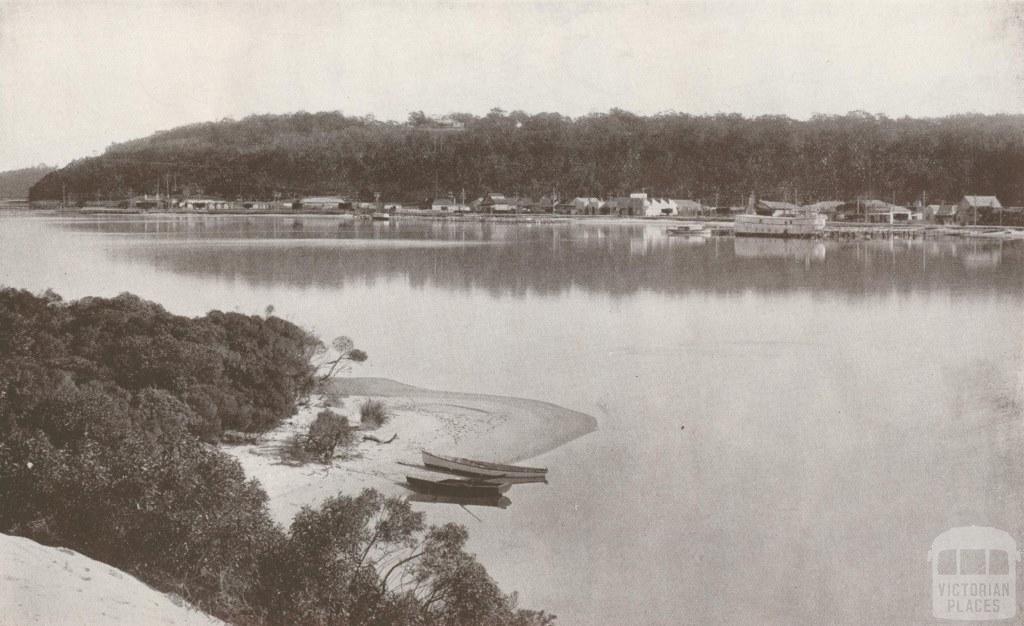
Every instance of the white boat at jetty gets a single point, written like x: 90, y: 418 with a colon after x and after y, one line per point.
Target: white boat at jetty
x: 686, y: 228
x: 782, y: 224
x: 481, y: 468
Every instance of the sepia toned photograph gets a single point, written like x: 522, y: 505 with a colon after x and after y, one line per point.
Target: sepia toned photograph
x: 511, y: 313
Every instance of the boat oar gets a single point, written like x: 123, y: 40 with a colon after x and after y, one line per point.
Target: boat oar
x: 471, y: 513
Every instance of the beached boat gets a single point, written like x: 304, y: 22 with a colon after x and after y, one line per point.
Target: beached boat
x: 686, y: 228
x: 782, y: 224
x: 472, y: 467
x: 459, y: 487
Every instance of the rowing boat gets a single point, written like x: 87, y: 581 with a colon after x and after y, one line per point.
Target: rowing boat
x: 457, y: 487
x: 472, y: 467
x: 686, y: 228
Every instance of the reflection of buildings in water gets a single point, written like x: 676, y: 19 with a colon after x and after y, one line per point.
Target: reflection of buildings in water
x: 774, y: 248
x: 653, y: 238
x: 982, y: 257
x: 550, y: 259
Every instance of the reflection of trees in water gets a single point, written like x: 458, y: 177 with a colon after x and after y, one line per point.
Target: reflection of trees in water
x: 616, y: 259
x: 556, y: 262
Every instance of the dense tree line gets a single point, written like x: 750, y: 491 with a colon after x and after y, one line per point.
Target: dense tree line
x: 230, y: 371
x: 102, y: 405
x: 723, y: 157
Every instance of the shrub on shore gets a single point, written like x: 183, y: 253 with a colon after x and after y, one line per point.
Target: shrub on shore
x: 101, y: 458
x: 326, y: 433
x: 373, y: 414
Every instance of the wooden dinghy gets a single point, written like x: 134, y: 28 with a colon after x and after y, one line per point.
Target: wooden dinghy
x: 471, y: 467
x: 686, y: 228
x: 458, y: 487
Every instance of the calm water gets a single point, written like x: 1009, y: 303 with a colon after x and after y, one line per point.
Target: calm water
x: 843, y: 403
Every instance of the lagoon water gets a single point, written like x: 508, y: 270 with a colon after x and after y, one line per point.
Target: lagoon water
x: 784, y: 427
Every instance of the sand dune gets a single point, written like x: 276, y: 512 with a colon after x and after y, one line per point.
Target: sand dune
x: 44, y: 585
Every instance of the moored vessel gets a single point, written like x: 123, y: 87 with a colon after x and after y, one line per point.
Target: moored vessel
x: 459, y: 487
x: 473, y: 467
x: 782, y: 224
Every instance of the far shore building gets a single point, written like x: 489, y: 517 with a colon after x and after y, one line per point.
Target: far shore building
x: 324, y: 203
x: 641, y: 205
x: 447, y: 204
x: 689, y: 207
x: 586, y: 206
x: 144, y: 203
x: 497, y: 203
x: 977, y: 209
x: 660, y: 206
x: 825, y: 207
x: 256, y: 205
x: 205, y: 204
x: 881, y: 212
x: 940, y: 213
x: 771, y: 207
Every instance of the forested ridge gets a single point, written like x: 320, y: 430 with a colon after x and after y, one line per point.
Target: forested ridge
x: 719, y: 159
x: 16, y: 183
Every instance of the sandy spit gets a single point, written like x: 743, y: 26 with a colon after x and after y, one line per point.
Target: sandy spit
x: 494, y: 428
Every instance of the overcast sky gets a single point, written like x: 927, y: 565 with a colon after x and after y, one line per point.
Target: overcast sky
x: 77, y: 76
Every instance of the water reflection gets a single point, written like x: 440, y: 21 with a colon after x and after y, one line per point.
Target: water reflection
x: 511, y: 259
x: 768, y: 248
x: 500, y: 502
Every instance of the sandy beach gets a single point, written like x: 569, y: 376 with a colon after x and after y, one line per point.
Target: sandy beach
x: 494, y: 428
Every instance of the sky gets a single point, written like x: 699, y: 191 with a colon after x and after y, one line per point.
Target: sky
x: 76, y: 76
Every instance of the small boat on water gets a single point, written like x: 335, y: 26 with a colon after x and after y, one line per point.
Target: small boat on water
x: 686, y: 228
x: 473, y: 467
x: 381, y: 216
x: 459, y: 487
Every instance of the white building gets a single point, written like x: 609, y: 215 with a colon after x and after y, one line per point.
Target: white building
x: 448, y: 204
x: 205, y: 204
x: 324, y: 203
x: 660, y: 206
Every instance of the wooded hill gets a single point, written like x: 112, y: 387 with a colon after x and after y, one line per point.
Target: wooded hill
x: 719, y: 159
x: 16, y: 183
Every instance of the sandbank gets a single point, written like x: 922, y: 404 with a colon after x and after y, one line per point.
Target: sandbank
x: 494, y: 428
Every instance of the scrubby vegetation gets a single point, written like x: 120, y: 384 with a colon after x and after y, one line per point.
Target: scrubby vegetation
x: 104, y: 404
x: 373, y: 414
x: 221, y: 371
x: 328, y: 431
x: 716, y: 158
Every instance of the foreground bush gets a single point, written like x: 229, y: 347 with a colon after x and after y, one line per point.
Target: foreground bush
x: 326, y: 433
x: 372, y: 413
x: 99, y: 458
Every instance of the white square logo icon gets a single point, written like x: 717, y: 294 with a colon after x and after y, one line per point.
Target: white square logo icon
x: 974, y: 574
